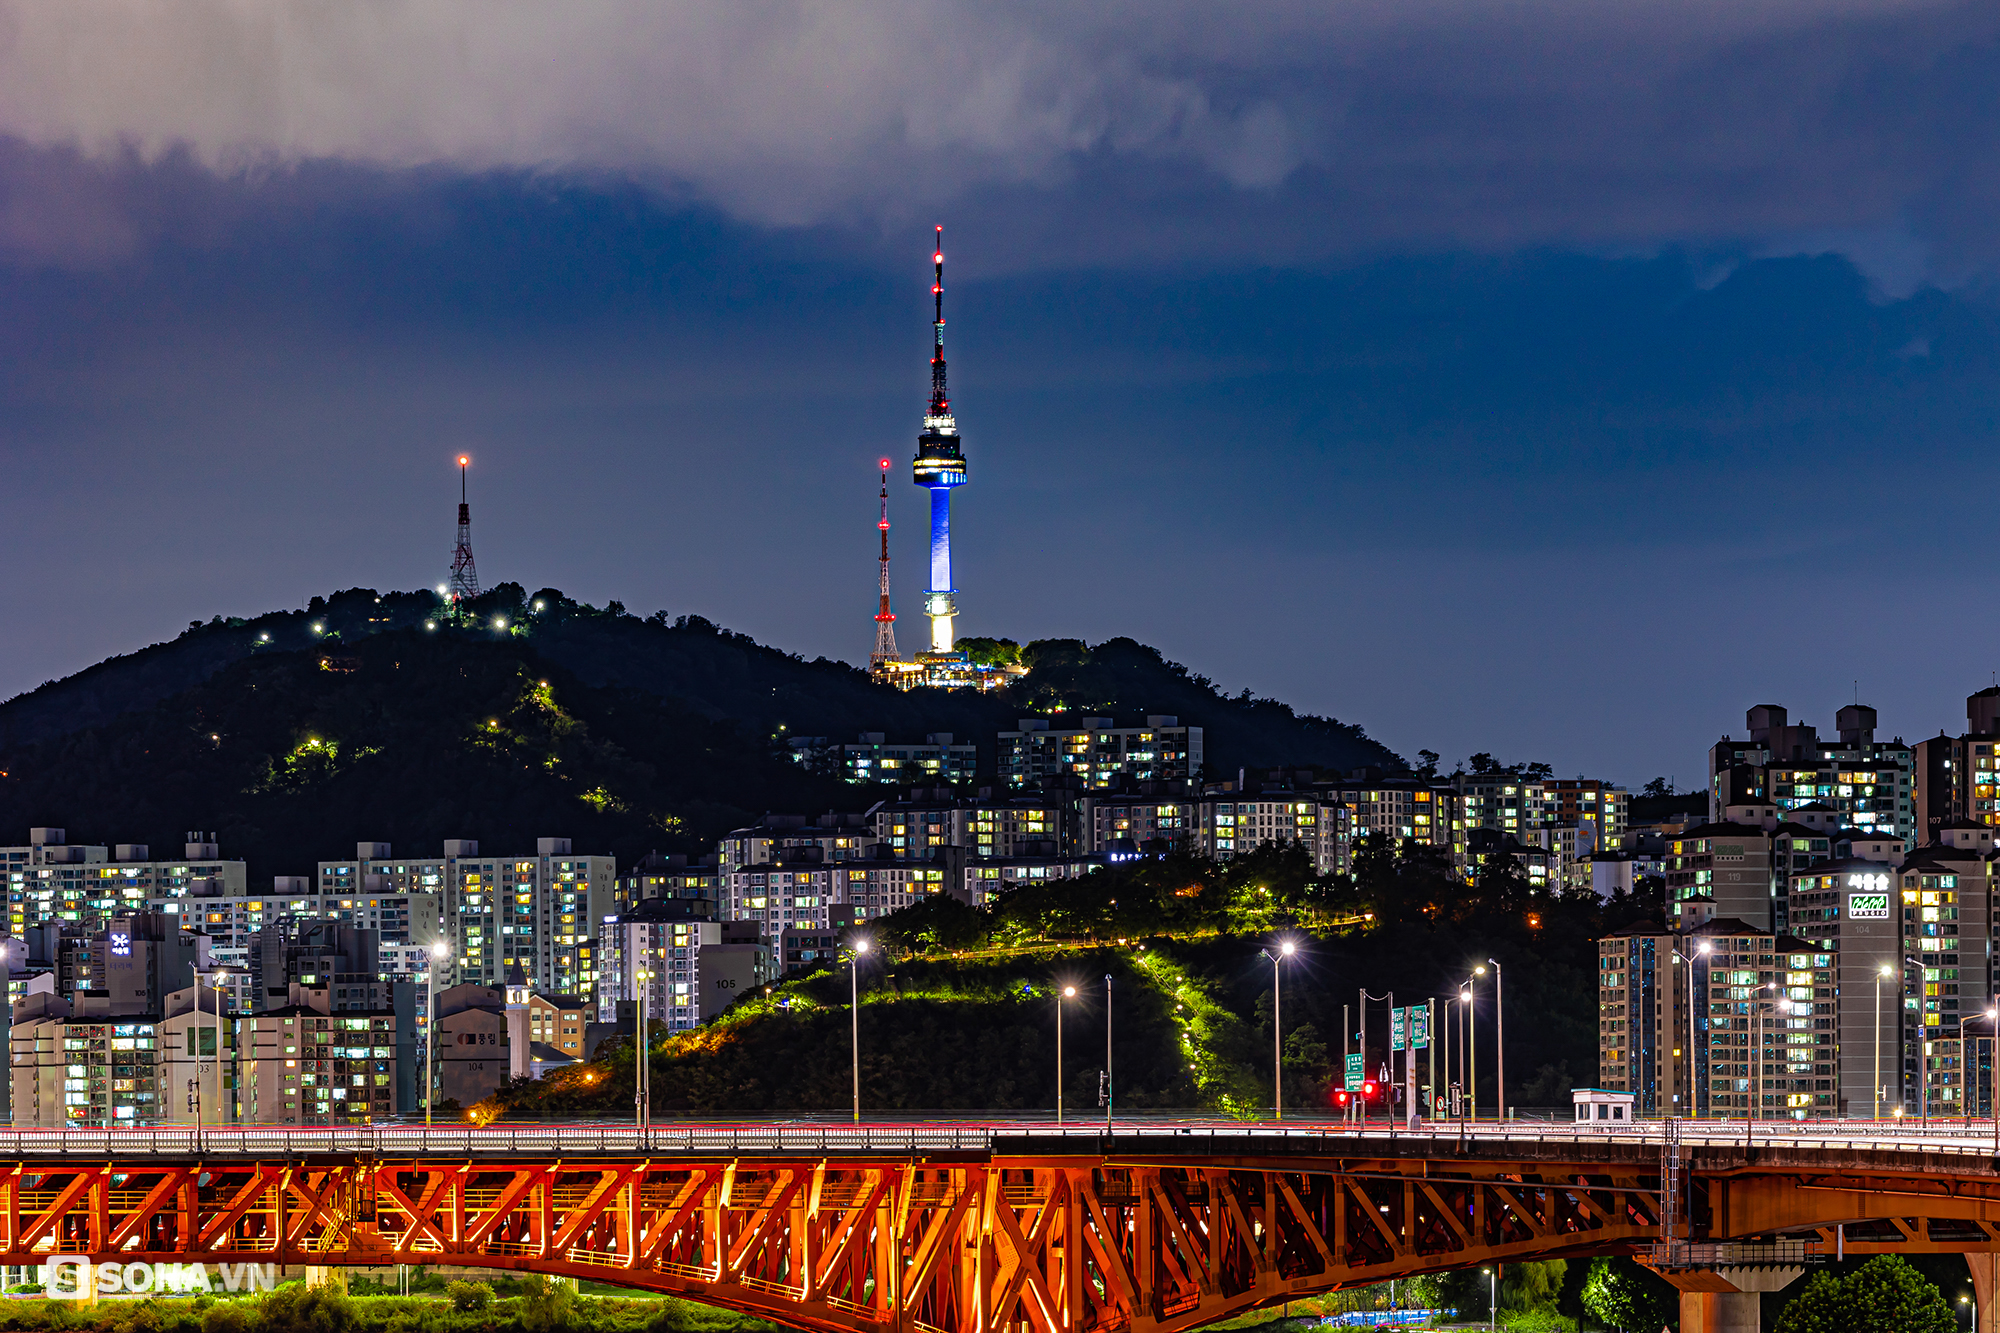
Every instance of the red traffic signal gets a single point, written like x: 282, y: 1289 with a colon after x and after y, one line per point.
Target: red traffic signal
x: 1368, y: 1088
x: 1340, y: 1098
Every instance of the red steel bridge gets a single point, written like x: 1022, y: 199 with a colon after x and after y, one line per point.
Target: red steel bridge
x: 985, y: 1228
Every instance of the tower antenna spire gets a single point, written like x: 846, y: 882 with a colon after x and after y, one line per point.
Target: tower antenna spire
x: 940, y: 400
x: 885, y: 619
x: 464, y: 574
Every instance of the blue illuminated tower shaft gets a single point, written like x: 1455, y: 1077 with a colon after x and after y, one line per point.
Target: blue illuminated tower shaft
x: 939, y: 466
x: 940, y: 601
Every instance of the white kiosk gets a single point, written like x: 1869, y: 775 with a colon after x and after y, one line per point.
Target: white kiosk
x: 1602, y: 1106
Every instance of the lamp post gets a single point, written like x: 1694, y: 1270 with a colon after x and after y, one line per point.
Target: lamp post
x: 1107, y: 1053
x: 1067, y: 993
x: 1286, y: 949
x: 1756, y: 1059
x: 1992, y: 1017
x: 854, y: 953
x: 1472, y: 1047
x: 1693, y: 1059
x: 642, y: 1064
x: 1499, y: 1044
x: 1492, y: 1297
x: 439, y: 952
x: 1465, y: 1054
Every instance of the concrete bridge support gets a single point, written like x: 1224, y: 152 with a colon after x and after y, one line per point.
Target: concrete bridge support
x: 1728, y: 1300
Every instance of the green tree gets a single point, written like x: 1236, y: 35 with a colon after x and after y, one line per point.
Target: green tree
x: 1532, y: 1286
x: 324, y: 1309
x: 1620, y: 1293
x: 548, y: 1304
x: 1884, y: 1295
x: 469, y: 1295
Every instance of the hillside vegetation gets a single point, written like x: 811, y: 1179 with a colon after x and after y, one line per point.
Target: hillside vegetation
x: 296, y: 734
x: 959, y: 1004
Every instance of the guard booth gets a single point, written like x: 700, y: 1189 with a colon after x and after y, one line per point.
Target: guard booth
x: 1602, y: 1106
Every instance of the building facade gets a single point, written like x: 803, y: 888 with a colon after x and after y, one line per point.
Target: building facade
x: 1094, y: 754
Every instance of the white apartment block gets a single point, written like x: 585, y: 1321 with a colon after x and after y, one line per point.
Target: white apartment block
x: 1117, y: 824
x: 986, y: 879
x: 693, y: 970
x: 983, y: 827
x: 232, y: 923
x: 1098, y: 753
x: 1230, y: 824
x: 85, y: 886
x: 493, y: 912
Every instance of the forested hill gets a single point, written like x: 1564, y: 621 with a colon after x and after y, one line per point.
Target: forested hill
x: 651, y: 734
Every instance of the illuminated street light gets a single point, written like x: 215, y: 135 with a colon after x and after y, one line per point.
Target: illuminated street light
x: 858, y: 948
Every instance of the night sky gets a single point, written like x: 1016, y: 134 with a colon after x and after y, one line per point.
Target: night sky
x: 1548, y: 379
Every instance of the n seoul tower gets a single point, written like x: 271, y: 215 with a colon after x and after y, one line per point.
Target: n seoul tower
x: 939, y: 466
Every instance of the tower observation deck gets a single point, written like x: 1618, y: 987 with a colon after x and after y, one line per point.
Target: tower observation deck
x: 939, y: 467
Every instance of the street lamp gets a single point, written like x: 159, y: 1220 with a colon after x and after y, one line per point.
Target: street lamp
x: 855, y: 951
x: 1694, y: 1058
x: 1992, y: 1017
x: 1472, y: 1047
x: 439, y: 952
x: 194, y: 1084
x: 1067, y: 993
x: 1492, y: 1297
x: 1757, y: 1007
x: 1886, y: 971
x: 642, y: 1071
x: 1107, y: 1053
x: 1499, y: 1043
x: 1285, y: 950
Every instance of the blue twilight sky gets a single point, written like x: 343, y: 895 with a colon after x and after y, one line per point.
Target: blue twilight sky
x: 1543, y: 378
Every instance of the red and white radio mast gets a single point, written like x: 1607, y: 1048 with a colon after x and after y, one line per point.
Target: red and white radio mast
x: 885, y: 619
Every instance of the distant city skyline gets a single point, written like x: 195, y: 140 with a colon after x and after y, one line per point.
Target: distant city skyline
x: 1547, y: 384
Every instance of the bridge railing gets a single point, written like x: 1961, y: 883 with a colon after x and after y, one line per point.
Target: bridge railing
x: 267, y: 1142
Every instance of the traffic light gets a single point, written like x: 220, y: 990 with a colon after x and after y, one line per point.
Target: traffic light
x: 1368, y: 1090
x: 1340, y: 1098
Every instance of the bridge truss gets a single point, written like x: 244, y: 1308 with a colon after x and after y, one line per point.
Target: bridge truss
x: 953, y: 1242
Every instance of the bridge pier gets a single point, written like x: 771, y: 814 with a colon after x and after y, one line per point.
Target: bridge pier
x: 1985, y: 1285
x: 1728, y: 1300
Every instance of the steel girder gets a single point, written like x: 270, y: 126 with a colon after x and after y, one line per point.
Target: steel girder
x: 969, y: 1243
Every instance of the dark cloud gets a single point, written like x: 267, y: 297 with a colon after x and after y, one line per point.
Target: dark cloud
x: 1102, y: 134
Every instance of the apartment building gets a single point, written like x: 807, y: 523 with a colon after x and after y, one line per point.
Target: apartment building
x: 558, y: 1022
x: 874, y: 758
x: 1643, y: 1004
x: 84, y: 1069
x: 1727, y: 864
x: 1095, y: 754
x: 692, y: 970
x: 831, y: 837
x: 494, y: 912
x: 1023, y: 823
x: 1599, y: 810
x: 1765, y: 1037
x: 1401, y: 810
x: 696, y: 880
x: 1125, y: 824
x: 1231, y: 823
x: 1870, y: 784
x: 305, y: 1066
x: 983, y: 880
x: 83, y: 887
